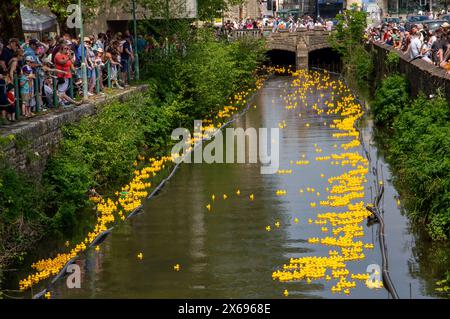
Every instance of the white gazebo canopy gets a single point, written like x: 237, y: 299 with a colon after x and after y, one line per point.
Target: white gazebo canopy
x: 35, y: 21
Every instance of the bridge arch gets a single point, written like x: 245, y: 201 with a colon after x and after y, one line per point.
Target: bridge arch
x: 325, y: 58
x: 304, y: 43
x: 282, y: 57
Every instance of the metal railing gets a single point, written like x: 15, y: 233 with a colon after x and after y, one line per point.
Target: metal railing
x: 105, y: 76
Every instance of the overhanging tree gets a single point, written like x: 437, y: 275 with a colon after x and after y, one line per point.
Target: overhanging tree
x: 10, y: 20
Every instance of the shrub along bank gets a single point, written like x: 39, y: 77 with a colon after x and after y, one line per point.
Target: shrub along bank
x: 99, y: 152
x: 418, y: 150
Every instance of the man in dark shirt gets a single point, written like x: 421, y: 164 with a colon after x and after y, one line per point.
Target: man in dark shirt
x: 126, y: 58
x: 8, y: 53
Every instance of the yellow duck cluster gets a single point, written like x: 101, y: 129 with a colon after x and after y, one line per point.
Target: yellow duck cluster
x: 108, y: 210
x: 343, y: 227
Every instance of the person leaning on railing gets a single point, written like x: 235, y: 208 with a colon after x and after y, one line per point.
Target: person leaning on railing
x: 64, y: 64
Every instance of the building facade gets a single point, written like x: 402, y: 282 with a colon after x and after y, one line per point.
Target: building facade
x: 117, y: 17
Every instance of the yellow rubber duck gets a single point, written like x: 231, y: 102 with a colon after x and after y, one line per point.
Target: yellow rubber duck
x: 140, y: 256
x: 277, y: 224
x: 286, y: 293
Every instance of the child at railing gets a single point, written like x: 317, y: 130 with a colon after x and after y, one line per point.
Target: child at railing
x: 62, y: 97
x: 26, y: 89
x: 113, y: 56
x: 98, y: 62
x: 10, y: 96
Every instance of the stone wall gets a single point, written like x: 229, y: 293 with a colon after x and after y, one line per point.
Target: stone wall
x: 423, y: 77
x: 37, y: 138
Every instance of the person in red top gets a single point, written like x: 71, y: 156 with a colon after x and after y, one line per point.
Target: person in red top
x: 63, y: 62
x: 11, y: 103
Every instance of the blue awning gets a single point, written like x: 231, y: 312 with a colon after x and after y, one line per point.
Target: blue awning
x: 34, y: 21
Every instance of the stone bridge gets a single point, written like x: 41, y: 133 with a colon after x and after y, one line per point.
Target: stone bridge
x: 301, y: 43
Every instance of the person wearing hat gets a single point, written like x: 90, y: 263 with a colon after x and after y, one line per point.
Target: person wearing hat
x: 85, y: 47
x: 415, y: 45
x: 32, y: 49
x: 26, y: 88
x: 99, y: 64
x: 89, y: 60
x: 8, y: 53
x: 64, y: 64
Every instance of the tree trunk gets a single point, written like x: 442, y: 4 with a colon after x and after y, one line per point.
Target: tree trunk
x: 10, y: 20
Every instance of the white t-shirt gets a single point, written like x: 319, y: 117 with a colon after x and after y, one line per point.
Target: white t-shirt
x: 415, y: 46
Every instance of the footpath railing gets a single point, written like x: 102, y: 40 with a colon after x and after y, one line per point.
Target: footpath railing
x: 48, y: 98
x: 244, y: 33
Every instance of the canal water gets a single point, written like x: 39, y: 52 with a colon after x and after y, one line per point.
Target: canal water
x: 227, y: 252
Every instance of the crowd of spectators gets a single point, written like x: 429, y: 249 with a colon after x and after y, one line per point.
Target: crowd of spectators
x: 290, y: 24
x: 416, y: 40
x: 31, y: 69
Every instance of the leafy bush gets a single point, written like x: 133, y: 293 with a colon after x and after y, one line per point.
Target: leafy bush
x: 420, y: 153
x: 363, y: 66
x: 348, y: 40
x: 390, y: 98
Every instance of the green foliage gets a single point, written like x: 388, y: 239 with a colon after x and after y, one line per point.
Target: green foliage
x: 392, y: 61
x: 348, y: 40
x: 444, y: 285
x: 210, y: 9
x: 392, y: 58
x: 390, y: 98
x: 208, y: 72
x: 21, y: 213
x: 349, y: 31
x: 18, y: 196
x: 420, y: 153
x: 362, y: 66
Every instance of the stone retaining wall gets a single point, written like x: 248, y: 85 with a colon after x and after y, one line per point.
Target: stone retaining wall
x: 37, y: 138
x: 423, y: 77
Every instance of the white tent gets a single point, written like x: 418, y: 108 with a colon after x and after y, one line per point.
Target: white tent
x: 35, y: 21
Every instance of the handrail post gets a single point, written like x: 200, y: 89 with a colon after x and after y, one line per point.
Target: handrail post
x: 128, y: 70
x: 71, y: 88
x: 17, y: 96
x: 55, y: 95
x: 97, y: 80
x: 109, y: 73
x: 36, y: 93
